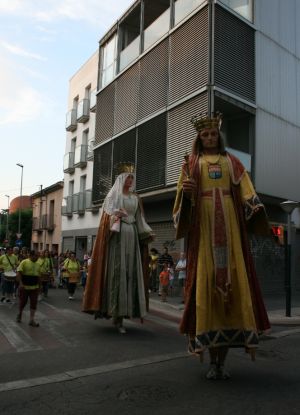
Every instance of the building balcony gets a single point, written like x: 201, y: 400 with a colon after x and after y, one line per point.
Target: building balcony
x: 89, y: 205
x: 36, y: 224
x: 83, y: 110
x: 71, y: 120
x: 69, y: 162
x: 93, y: 100
x: 80, y: 157
x: 79, y: 203
x: 90, y: 150
x: 67, y: 206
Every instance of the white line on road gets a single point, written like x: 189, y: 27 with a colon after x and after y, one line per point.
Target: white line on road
x: 97, y: 370
x: 17, y: 337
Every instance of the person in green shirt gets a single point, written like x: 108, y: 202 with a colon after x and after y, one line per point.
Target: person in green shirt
x: 28, y: 275
x: 46, y: 268
x: 71, y: 268
x: 8, y: 263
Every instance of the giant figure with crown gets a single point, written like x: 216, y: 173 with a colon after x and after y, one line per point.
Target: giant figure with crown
x: 215, y: 209
x: 117, y: 283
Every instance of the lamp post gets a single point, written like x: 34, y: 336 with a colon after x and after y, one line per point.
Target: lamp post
x: 20, y: 205
x: 288, y: 206
x: 7, y: 234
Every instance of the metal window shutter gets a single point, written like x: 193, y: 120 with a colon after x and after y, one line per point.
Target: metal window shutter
x: 234, y: 55
x: 189, y: 56
x: 124, y: 150
x: 151, y: 153
x: 181, y: 133
x: 104, y: 114
x: 165, y: 236
x: 127, y: 86
x: 154, y: 80
x: 102, y: 172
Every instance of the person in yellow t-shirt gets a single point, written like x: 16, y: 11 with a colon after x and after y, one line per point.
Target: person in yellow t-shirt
x: 28, y: 275
x: 46, y: 268
x: 8, y: 262
x: 71, y: 267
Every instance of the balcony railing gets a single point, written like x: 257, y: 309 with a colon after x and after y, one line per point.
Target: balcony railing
x: 36, y: 226
x: 83, y: 110
x: 79, y: 203
x: 67, y: 207
x: 130, y: 53
x: 71, y: 120
x: 90, y: 150
x: 89, y: 206
x: 157, y: 29
x: 93, y: 101
x: 80, y: 158
x: 69, y: 162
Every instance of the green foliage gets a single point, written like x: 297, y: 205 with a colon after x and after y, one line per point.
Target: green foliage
x: 26, y: 227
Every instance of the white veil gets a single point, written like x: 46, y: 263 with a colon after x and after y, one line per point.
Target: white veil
x: 114, y: 198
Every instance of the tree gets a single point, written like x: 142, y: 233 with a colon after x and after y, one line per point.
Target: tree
x: 26, y: 227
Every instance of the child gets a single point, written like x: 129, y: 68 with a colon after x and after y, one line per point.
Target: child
x: 164, y: 278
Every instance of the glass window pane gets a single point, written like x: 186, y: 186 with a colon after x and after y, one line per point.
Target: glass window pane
x: 242, y: 7
x: 185, y: 7
x: 157, y: 29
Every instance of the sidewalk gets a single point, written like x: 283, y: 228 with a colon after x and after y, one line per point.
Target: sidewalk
x: 173, y: 307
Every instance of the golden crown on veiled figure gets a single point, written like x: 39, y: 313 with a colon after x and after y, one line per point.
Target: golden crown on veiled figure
x: 203, y: 120
x: 126, y: 167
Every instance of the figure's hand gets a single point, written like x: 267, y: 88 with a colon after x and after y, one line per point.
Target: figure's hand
x: 189, y: 187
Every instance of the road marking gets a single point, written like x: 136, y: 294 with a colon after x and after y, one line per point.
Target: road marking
x: 97, y: 370
x: 17, y: 337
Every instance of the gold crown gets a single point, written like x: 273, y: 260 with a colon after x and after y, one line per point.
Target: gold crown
x: 125, y: 167
x: 202, y: 121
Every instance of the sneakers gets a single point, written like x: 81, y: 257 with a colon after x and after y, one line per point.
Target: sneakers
x: 212, y: 373
x: 2, y: 299
x: 8, y: 300
x: 19, y: 318
x: 122, y: 330
x: 33, y: 323
x: 222, y: 373
x: 71, y: 297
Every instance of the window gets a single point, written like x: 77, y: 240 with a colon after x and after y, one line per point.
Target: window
x: 242, y: 7
x: 184, y: 8
x: 156, y: 21
x: 82, y: 183
x: 129, y: 32
x: 71, y: 187
x: 85, y: 136
x: 109, y: 59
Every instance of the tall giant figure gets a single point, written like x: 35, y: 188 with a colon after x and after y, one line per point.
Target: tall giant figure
x: 215, y: 208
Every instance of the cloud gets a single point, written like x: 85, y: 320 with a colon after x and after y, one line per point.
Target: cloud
x: 96, y: 12
x: 19, y: 102
x: 17, y: 50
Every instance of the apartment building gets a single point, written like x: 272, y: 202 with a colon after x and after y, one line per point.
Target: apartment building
x: 164, y: 61
x: 46, y: 218
x: 79, y: 215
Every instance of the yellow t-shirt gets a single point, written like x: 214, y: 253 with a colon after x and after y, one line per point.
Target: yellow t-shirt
x: 30, y: 273
x: 8, y: 262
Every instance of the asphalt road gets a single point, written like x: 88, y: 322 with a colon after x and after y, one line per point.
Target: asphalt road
x: 73, y: 364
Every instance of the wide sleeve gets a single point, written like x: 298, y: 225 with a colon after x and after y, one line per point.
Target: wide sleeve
x: 249, y: 197
x: 144, y: 230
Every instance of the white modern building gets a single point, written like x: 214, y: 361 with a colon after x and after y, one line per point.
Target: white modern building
x: 79, y: 216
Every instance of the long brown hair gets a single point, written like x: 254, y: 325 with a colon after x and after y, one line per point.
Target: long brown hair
x: 197, y: 147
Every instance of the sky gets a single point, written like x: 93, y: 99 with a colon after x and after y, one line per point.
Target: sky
x: 42, y: 44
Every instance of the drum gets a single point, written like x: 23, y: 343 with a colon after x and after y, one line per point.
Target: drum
x: 10, y: 275
x: 74, y: 277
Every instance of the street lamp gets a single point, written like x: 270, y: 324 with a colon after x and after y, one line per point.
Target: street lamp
x: 7, y: 217
x: 288, y: 206
x: 20, y: 205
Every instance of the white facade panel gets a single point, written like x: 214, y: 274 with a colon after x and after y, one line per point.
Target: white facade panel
x: 277, y: 150
x: 297, y: 17
x: 287, y: 25
x: 277, y: 76
x: 267, y: 17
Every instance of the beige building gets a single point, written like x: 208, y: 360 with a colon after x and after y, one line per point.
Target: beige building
x: 46, y: 222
